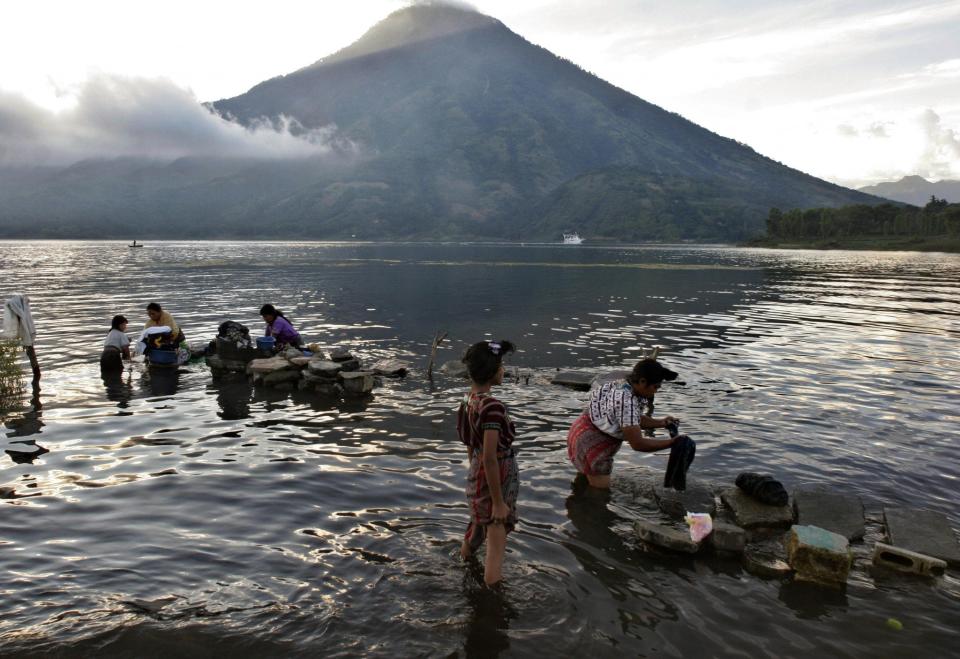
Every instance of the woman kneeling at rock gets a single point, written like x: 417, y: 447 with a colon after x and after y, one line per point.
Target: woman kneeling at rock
x: 279, y: 327
x: 614, y: 414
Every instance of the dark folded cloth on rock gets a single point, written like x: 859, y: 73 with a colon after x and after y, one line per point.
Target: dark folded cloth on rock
x: 763, y: 488
x: 681, y: 456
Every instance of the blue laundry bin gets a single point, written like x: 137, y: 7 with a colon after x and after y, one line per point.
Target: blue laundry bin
x: 163, y: 357
x: 266, y: 345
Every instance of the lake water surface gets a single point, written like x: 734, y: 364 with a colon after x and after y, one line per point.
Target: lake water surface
x: 170, y: 515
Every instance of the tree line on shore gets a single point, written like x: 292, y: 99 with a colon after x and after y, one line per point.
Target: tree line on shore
x: 936, y: 218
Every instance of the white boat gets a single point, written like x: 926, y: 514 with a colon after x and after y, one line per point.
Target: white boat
x: 572, y: 238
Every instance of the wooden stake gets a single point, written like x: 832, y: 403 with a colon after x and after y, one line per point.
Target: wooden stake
x: 34, y: 364
x: 437, y: 340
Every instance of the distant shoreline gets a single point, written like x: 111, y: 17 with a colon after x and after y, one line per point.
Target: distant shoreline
x: 949, y: 244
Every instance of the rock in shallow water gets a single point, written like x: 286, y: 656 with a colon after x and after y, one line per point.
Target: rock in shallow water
x: 357, y: 382
x: 390, y: 368
x: 697, y: 498
x: 750, y: 513
x: 819, y: 555
x: 665, y: 537
x: 923, y: 531
x: 728, y: 537
x: 816, y: 505
x: 269, y: 365
x: 324, y: 368
x: 454, y: 368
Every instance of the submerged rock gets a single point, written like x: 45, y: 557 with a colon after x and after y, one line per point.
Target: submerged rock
x: 357, y: 382
x: 765, y: 564
x: 454, y: 368
x: 697, y: 498
x: 390, y: 368
x: 574, y: 379
x: 665, y: 537
x: 815, y: 505
x: 323, y: 368
x: 277, y: 378
x: 923, y: 531
x: 219, y: 365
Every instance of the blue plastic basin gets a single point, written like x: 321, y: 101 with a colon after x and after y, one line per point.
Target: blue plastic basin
x: 266, y: 343
x: 163, y: 356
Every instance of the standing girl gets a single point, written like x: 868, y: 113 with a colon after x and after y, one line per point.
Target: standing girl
x: 493, y: 480
x: 116, y: 347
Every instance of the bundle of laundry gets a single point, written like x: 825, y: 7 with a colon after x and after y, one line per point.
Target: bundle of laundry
x: 236, y: 333
x: 763, y: 488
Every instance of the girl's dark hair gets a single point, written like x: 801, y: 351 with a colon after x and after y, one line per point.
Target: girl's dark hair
x: 651, y: 371
x: 483, y: 359
x: 117, y: 321
x: 270, y: 310
x: 153, y: 306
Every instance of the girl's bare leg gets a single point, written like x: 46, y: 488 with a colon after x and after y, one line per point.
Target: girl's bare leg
x: 601, y: 482
x: 496, y: 547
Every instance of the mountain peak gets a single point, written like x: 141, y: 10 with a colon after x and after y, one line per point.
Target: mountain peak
x: 422, y: 21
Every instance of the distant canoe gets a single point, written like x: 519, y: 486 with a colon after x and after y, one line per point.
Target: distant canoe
x: 135, y: 244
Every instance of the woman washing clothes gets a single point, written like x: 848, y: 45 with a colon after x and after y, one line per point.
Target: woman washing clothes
x: 279, y: 327
x: 614, y: 414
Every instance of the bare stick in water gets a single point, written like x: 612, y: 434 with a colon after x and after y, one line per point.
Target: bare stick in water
x: 437, y: 340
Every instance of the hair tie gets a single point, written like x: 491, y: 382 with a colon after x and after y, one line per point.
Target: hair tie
x: 494, y: 347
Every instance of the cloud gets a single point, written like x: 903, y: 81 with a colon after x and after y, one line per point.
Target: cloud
x: 456, y: 4
x: 941, y: 156
x: 116, y: 116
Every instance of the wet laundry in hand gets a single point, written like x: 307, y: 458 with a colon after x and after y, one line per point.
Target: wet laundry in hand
x: 763, y: 488
x: 681, y: 456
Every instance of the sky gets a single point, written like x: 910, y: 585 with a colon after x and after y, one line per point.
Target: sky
x: 855, y: 92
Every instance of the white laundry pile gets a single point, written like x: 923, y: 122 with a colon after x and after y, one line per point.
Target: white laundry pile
x: 18, y: 321
x: 146, y: 334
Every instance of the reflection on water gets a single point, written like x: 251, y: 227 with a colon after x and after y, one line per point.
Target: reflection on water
x: 158, y: 510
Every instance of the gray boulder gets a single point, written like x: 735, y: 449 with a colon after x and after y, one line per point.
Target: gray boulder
x: 323, y: 368
x: 357, y: 382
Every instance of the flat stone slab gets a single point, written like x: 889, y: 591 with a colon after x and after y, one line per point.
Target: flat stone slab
x: 815, y: 505
x: 697, y: 498
x: 340, y: 355
x: 264, y: 366
x: 324, y: 368
x: 819, y: 555
x: 574, y: 379
x: 665, y: 537
x: 392, y: 368
x: 300, y: 361
x: 922, y: 531
x: 750, y: 513
x: 728, y: 537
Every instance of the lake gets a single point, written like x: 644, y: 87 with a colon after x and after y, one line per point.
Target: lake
x: 168, y: 514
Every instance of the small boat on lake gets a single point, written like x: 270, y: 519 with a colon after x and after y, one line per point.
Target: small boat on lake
x: 572, y: 238
x: 135, y: 244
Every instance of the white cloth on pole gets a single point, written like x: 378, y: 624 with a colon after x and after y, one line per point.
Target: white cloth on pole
x: 18, y: 321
